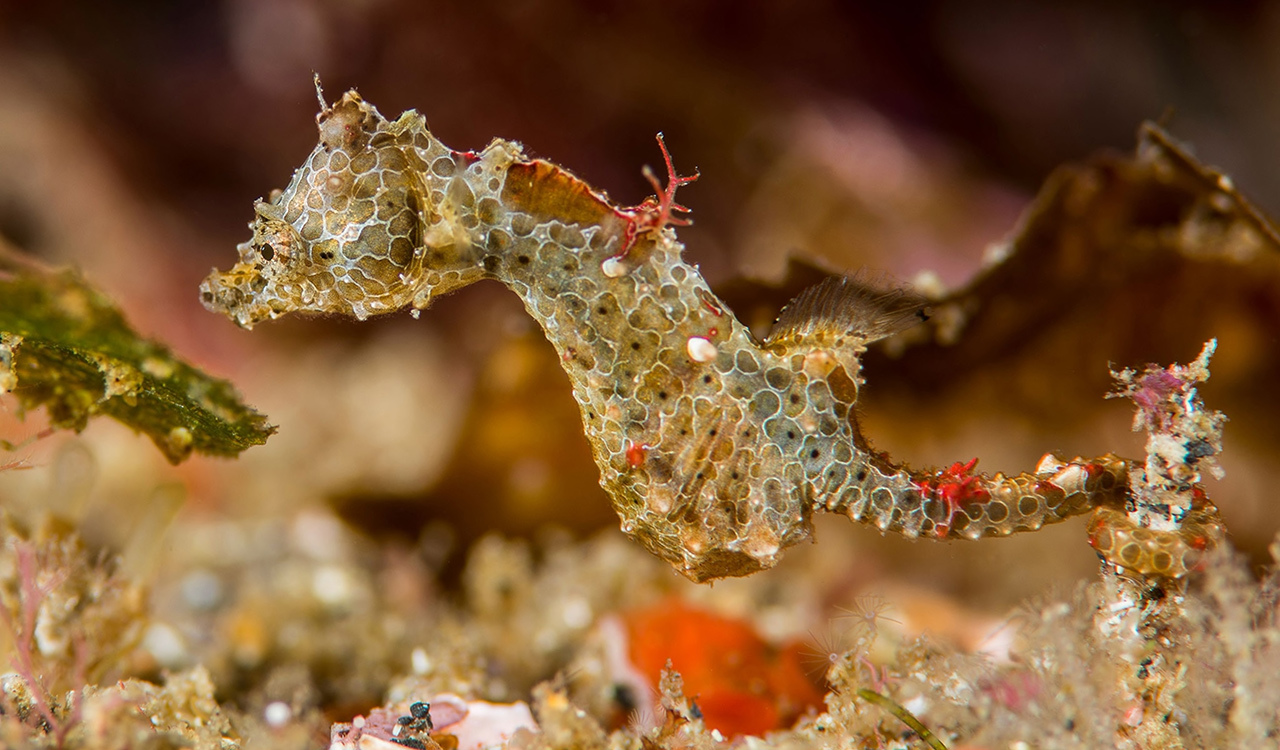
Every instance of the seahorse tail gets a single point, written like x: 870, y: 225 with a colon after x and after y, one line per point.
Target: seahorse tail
x: 959, y: 503
x: 1156, y: 553
x: 963, y: 504
x: 971, y: 506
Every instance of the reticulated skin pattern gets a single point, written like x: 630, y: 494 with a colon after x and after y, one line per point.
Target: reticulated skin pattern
x: 715, y: 449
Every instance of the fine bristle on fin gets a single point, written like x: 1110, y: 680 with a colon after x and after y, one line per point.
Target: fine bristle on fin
x: 839, y: 307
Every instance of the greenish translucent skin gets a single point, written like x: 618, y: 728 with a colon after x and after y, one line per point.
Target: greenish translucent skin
x: 715, y: 449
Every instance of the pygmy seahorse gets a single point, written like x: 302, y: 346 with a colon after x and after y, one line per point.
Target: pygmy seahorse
x: 715, y: 448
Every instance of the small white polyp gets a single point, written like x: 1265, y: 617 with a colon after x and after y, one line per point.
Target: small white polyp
x: 613, y: 268
x: 701, y: 350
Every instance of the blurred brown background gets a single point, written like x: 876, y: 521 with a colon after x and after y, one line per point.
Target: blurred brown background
x: 904, y: 137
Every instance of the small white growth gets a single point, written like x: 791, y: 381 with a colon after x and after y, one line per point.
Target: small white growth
x: 166, y: 645
x: 659, y: 500
x: 929, y: 283
x: 916, y: 705
x: 333, y: 586
x: 1049, y: 464
x: 996, y: 253
x: 1169, y: 448
x: 762, y: 549
x: 179, y: 439
x: 277, y: 714
x: 319, y: 536
x: 421, y: 663
x: 202, y: 589
x: 1070, y: 479
x: 577, y: 613
x: 490, y: 724
x: 613, y: 268
x: 701, y: 350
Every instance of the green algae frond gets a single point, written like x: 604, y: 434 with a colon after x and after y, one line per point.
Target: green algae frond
x: 65, y: 346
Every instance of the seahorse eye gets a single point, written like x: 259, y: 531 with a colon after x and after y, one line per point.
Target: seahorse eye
x: 266, y: 251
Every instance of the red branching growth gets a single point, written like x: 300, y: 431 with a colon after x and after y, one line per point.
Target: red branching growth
x: 31, y: 596
x: 657, y: 211
x: 956, y: 487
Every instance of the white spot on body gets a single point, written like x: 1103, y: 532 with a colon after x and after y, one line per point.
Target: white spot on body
x: 701, y: 350
x: 659, y: 500
x: 613, y: 268
x: 1070, y: 479
x: 349, y: 233
x: 1049, y: 464
x: 819, y: 362
x: 765, y: 550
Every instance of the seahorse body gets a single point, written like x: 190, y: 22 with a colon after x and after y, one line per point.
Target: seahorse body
x: 716, y: 449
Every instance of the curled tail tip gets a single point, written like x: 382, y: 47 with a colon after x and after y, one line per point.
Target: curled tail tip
x: 1148, y: 553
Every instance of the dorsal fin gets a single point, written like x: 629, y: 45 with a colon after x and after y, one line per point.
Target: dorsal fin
x: 846, y: 312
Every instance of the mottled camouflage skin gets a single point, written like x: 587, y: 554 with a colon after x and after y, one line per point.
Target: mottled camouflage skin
x: 715, y: 449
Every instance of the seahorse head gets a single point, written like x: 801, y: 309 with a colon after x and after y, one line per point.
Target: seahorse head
x: 345, y: 236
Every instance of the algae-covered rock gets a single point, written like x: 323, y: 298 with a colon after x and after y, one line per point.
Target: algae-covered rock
x: 66, y: 346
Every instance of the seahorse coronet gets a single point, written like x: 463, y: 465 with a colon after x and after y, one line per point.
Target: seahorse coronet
x: 715, y: 449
